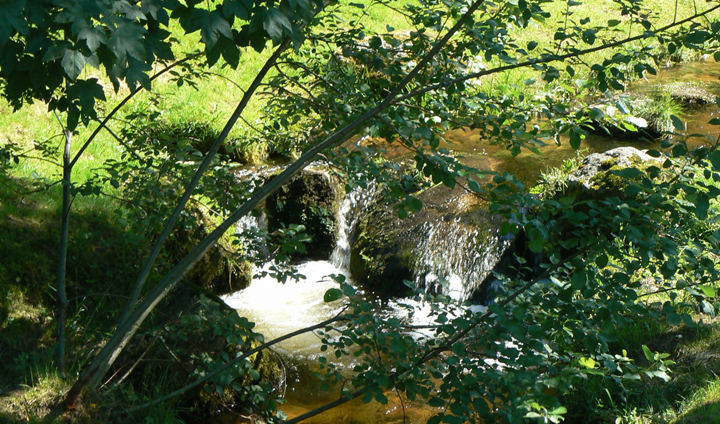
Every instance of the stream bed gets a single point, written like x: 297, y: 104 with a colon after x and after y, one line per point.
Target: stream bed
x: 278, y: 308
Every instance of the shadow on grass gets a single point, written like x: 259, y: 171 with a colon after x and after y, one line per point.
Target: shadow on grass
x: 12, y: 419
x: 690, y: 397
x: 708, y: 413
x: 104, y: 255
x: 101, y: 258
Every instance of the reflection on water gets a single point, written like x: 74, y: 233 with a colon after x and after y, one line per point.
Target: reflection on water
x: 396, y: 411
x: 527, y: 166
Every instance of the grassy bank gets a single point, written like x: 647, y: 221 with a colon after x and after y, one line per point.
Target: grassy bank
x: 107, y: 243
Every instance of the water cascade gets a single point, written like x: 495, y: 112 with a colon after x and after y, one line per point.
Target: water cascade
x: 352, y: 207
x: 454, y: 257
x: 279, y: 307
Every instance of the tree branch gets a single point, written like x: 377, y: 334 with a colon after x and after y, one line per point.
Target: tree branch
x: 122, y: 103
x: 225, y: 367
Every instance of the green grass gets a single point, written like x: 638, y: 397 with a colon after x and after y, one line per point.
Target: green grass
x: 216, y: 97
x: 104, y: 254
x: 693, y: 395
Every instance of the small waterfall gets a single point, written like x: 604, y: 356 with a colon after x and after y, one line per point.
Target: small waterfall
x: 352, y: 206
x: 451, y: 255
x: 251, y: 231
x: 454, y: 257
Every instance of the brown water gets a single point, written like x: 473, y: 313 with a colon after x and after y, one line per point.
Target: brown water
x: 303, y: 392
x: 527, y: 166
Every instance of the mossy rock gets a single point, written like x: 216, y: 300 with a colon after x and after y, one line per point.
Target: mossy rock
x: 422, y: 248
x: 222, y: 270
x: 205, y: 330
x: 381, y: 257
x: 596, y: 171
x: 594, y: 179
x: 312, y: 199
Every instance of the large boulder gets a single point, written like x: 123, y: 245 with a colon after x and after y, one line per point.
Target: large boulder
x: 449, y: 246
x: 223, y: 269
x: 312, y: 199
x: 381, y: 254
x: 593, y: 179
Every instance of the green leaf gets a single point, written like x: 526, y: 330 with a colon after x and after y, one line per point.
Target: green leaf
x: 702, y: 204
x: 560, y: 410
x: 414, y: 204
x: 86, y: 92
x: 649, y: 355
x: 537, y: 244
x: 237, y: 8
x: 458, y: 348
x: 596, y: 114
x: 137, y: 73
x: 578, y: 280
x: 93, y: 37
x: 127, y: 41
x: 714, y: 157
x: 697, y: 37
x: 347, y: 288
x: 11, y: 18
x: 628, y: 173
x: 601, y: 261
x: 708, y: 290
x: 588, y: 363
x: 674, y: 319
x: 622, y: 106
x: 677, y: 123
x: 589, y: 36
x: 73, y: 118
x: 575, y: 139
x: 276, y: 24
x: 332, y: 295
x: 73, y: 63
x: 213, y: 26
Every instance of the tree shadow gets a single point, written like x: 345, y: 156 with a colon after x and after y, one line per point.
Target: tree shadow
x: 102, y: 257
x: 708, y: 413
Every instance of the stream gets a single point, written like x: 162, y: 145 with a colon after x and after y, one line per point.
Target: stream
x: 279, y: 308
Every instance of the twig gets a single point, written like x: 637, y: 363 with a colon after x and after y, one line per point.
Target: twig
x: 135, y: 364
x: 122, y: 103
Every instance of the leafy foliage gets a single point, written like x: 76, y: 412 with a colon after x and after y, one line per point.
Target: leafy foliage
x: 592, y: 260
x: 45, y: 46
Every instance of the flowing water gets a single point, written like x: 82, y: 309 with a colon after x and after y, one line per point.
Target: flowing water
x: 279, y: 308
x: 450, y: 252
